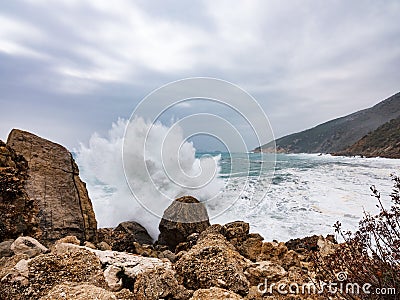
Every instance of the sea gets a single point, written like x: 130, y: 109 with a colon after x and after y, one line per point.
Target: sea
x: 281, y: 196
x: 305, y: 194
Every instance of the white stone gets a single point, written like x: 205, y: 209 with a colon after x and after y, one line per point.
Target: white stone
x: 110, y: 275
x: 28, y: 245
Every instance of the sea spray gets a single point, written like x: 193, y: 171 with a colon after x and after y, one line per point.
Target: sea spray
x: 308, y: 195
x: 102, y: 167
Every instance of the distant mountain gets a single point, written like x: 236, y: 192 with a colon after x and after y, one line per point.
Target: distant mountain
x: 338, y: 134
x: 383, y: 142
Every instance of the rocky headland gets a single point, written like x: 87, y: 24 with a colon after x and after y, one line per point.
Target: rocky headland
x: 51, y: 248
x: 382, y: 142
x: 339, y: 134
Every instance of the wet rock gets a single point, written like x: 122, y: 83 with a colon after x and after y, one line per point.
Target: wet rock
x: 29, y: 246
x: 61, y: 205
x: 186, y: 215
x: 5, y: 248
x: 214, y: 293
x: 213, y: 261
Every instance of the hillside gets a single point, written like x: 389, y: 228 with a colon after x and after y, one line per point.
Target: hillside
x: 383, y: 142
x: 338, y: 134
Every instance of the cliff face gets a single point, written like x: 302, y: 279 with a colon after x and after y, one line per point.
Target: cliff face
x: 17, y: 211
x: 383, y: 142
x: 53, y: 184
x: 338, y: 134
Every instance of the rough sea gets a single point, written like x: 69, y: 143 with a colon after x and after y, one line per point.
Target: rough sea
x: 282, y: 197
x: 307, y: 193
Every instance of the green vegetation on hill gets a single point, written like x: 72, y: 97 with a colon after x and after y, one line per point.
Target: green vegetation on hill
x: 383, y: 142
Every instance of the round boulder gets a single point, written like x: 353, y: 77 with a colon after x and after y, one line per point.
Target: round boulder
x: 186, y: 215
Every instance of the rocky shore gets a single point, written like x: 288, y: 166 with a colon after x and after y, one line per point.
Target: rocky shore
x: 51, y: 248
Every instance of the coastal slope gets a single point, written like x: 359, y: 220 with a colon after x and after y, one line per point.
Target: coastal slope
x: 338, y: 134
x: 383, y: 142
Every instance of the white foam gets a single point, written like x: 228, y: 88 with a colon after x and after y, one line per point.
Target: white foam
x: 102, y: 168
x: 309, y: 200
x: 311, y: 196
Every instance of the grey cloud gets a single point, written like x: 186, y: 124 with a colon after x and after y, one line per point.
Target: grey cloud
x: 81, y: 65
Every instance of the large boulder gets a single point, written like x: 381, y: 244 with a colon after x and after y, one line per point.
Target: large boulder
x: 61, y: 204
x: 213, y: 262
x: 18, y: 212
x: 35, y: 277
x: 149, y: 278
x: 29, y: 246
x: 186, y: 215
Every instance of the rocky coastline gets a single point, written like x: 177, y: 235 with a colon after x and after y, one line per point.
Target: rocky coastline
x: 51, y: 248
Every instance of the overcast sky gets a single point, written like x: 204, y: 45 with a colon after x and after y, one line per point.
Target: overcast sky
x: 70, y: 68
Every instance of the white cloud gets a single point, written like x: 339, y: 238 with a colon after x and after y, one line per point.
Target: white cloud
x: 14, y: 36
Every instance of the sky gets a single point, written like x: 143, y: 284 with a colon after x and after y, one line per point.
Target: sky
x: 69, y: 68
